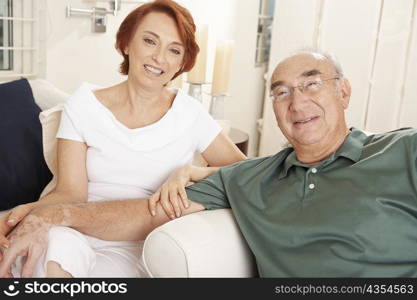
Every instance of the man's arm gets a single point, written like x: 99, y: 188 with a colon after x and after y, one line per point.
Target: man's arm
x: 126, y: 220
x: 110, y: 220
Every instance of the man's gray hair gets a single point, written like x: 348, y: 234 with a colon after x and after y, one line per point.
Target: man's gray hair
x: 325, y: 55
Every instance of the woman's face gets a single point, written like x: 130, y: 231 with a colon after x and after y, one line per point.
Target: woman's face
x: 155, y: 52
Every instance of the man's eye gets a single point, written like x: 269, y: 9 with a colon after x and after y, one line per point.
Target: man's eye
x: 312, y: 85
x: 281, y: 94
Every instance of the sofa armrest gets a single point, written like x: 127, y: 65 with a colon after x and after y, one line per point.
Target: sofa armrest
x: 204, y: 244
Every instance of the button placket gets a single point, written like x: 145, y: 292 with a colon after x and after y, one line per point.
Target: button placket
x: 311, y: 182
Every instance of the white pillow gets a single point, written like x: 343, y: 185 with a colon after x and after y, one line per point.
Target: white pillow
x: 50, y: 120
x: 46, y: 94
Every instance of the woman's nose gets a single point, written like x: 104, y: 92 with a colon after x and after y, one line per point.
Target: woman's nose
x: 158, y: 55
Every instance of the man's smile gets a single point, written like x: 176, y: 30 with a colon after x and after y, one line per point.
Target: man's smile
x: 305, y: 121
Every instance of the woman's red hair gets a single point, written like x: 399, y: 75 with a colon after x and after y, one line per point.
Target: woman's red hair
x: 182, y: 18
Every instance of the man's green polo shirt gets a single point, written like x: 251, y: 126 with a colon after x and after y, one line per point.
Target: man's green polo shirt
x: 352, y: 215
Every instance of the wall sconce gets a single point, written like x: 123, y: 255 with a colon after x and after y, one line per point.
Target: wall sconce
x: 98, y: 14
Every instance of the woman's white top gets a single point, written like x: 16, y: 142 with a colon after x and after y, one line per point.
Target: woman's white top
x: 124, y: 163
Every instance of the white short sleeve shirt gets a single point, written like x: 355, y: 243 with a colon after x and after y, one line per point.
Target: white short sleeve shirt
x: 125, y: 163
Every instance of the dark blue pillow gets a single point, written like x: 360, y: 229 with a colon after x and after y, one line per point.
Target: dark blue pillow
x: 23, y: 171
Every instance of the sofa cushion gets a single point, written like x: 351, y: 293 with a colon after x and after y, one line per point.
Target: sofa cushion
x: 23, y: 171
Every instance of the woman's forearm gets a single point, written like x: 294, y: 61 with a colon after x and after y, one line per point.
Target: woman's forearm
x: 199, y: 173
x: 56, y: 197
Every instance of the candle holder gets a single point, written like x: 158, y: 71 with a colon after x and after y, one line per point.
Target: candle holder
x: 217, y: 106
x: 195, y: 90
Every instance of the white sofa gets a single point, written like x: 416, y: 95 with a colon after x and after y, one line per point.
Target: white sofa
x: 205, y: 244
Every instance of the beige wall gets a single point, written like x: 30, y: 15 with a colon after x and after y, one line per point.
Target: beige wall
x: 75, y: 54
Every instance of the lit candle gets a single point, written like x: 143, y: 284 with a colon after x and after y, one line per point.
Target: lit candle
x: 222, y: 67
x: 198, y: 73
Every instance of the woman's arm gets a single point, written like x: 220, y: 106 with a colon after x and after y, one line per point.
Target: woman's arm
x: 71, y: 182
x: 220, y: 152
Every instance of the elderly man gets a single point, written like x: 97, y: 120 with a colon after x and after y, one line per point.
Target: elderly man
x: 337, y: 202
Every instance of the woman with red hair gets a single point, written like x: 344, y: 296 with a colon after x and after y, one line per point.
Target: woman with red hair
x: 124, y: 141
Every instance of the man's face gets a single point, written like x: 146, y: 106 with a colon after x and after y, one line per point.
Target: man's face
x: 316, y: 115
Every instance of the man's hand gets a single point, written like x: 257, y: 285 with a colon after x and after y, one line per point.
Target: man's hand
x: 4, y: 230
x: 29, y: 239
x: 9, y: 220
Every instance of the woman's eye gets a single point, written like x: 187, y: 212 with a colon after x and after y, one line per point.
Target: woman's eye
x: 175, y: 51
x: 149, y: 41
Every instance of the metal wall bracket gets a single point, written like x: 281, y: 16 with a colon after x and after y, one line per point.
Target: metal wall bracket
x: 98, y: 14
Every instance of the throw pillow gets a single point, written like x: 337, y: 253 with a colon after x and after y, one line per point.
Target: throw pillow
x: 46, y: 94
x: 23, y: 171
x: 50, y: 120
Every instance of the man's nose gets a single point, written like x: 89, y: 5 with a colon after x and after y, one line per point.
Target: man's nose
x: 299, y: 99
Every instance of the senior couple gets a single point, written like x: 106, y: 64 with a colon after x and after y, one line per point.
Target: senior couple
x: 337, y: 203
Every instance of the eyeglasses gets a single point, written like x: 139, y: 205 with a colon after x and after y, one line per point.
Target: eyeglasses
x: 309, y: 88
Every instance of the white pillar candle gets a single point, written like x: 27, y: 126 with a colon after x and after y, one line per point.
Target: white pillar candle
x: 222, y: 68
x: 198, y: 73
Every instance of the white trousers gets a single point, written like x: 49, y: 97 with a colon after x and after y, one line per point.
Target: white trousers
x: 85, y: 256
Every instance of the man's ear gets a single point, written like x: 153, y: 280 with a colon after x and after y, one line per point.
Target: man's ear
x: 345, y: 91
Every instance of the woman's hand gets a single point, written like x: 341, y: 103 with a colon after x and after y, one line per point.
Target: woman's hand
x: 10, y: 220
x: 172, y: 193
